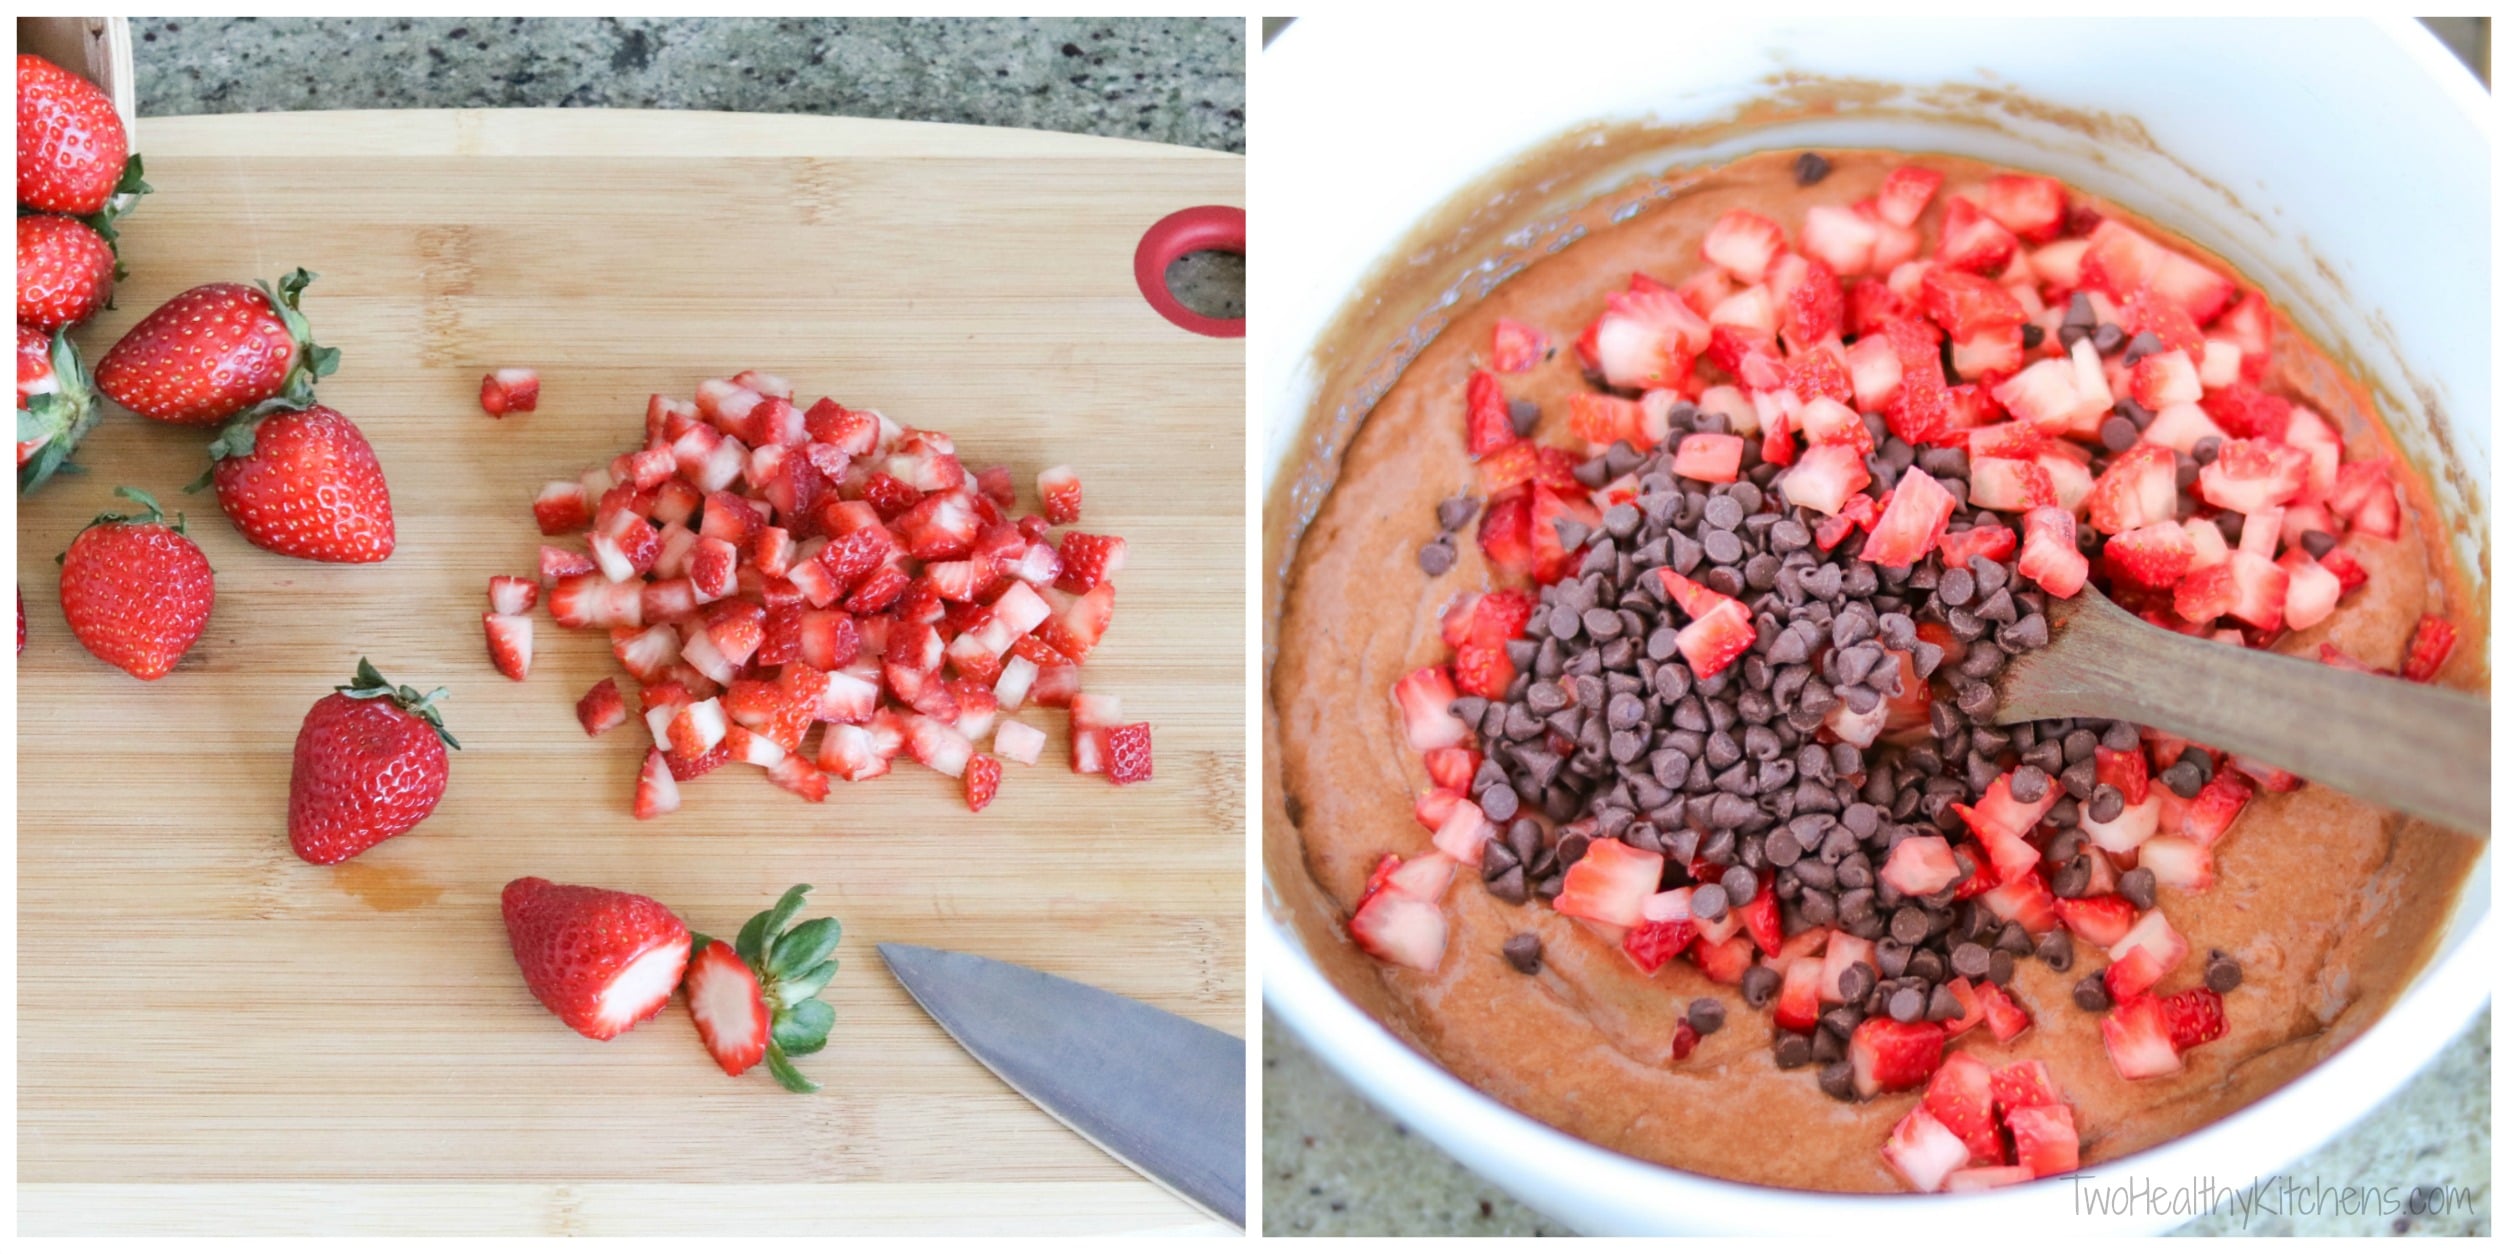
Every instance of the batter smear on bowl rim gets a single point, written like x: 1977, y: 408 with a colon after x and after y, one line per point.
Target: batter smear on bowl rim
x: 1633, y: 685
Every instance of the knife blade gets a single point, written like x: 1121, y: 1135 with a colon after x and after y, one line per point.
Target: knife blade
x: 1163, y: 1095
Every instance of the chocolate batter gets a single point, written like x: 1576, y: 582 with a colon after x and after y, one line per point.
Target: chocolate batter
x: 2329, y: 904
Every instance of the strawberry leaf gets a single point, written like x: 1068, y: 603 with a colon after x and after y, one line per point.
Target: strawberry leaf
x: 795, y: 990
x: 804, y: 1031
x: 370, y: 685
x: 782, y: 1069
x: 804, y: 947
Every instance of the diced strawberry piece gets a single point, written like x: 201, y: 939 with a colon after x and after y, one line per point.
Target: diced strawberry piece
x: 602, y: 708
x: 1709, y: 457
x: 1920, y: 1150
x: 2138, y: 488
x: 1422, y: 697
x: 2029, y: 206
x: 1743, y: 244
x: 2250, y: 475
x: 1844, y: 950
x: 509, y: 643
x: 2207, y: 816
x: 2048, y: 554
x: 1486, y: 424
x: 2021, y: 1085
x: 1973, y: 242
x: 2164, y: 379
x: 2155, y: 555
x: 2194, y: 1017
x: 562, y: 508
x: 2003, y: 1016
x: 1400, y: 930
x: 1815, y: 310
x: 1889, y: 1056
x: 1515, y: 347
x: 1992, y: 540
x: 1645, y: 339
x: 2144, y: 955
x: 2136, y: 1035
x: 1824, y: 477
x: 1722, y: 961
x: 509, y: 391
x: 1714, y: 641
x: 1920, y: 866
x: 1798, y: 999
x: 2433, y: 638
x: 1841, y: 240
x: 1128, y: 753
x: 1610, y: 884
x: 983, y: 780
x: 1913, y: 521
x: 1961, y: 1096
x: 2046, y: 395
x: 2025, y: 901
x: 2246, y: 412
x: 557, y: 563
x: 2002, y: 483
x: 1987, y: 357
x: 1088, y: 560
x: 657, y: 791
x: 1905, y: 193
x: 2177, y: 862
x: 1653, y: 942
x: 2044, y: 1142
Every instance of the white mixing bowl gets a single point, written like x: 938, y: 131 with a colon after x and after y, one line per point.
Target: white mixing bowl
x: 2343, y: 165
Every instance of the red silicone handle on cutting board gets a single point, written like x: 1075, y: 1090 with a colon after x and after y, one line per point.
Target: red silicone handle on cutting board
x: 1203, y: 228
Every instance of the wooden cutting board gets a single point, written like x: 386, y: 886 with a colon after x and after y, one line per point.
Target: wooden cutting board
x: 216, y: 1036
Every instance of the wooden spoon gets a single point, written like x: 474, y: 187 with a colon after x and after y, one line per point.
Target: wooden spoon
x: 2423, y: 750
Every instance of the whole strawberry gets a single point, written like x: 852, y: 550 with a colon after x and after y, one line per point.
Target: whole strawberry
x: 71, y: 148
x: 217, y: 350
x: 136, y: 591
x: 56, y: 405
x: 304, y: 484
x: 370, y: 764
x: 603, y: 961
x: 65, y: 271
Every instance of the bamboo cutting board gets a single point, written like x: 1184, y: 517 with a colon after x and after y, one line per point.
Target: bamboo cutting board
x: 216, y: 1036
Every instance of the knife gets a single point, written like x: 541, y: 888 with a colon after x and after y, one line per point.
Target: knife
x: 1162, y: 1094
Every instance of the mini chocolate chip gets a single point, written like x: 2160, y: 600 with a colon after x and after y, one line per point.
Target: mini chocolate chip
x: 1509, y: 887
x: 1740, y: 884
x: 1838, y: 1080
x: 1523, y: 415
x: 2139, y: 886
x: 2142, y: 345
x: 1999, y: 967
x: 2200, y: 758
x: 1454, y: 511
x: 1523, y: 952
x: 2316, y: 542
x: 1708, y: 902
x: 2183, y: 779
x: 1928, y: 964
x: 1810, y: 168
x: 1855, y: 982
x: 1793, y: 1049
x: 2222, y: 974
x: 2080, y: 779
x: 1498, y: 803
x: 1908, y: 925
x: 1907, y: 1005
x: 1969, y: 959
x: 2107, y: 337
x: 2118, y: 433
x: 1436, y: 557
x: 2055, y: 949
x: 1706, y: 1014
x: 2090, y: 992
x: 2071, y: 879
x: 2106, y: 803
x: 1828, y: 1047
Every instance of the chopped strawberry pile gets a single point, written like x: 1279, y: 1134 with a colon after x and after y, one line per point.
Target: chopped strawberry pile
x: 2105, y: 405
x: 816, y: 592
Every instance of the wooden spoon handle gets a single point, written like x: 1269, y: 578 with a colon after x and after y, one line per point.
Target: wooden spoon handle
x: 2412, y: 747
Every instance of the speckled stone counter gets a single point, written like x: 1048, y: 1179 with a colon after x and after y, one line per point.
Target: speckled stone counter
x: 1334, y: 1166
x: 1168, y: 80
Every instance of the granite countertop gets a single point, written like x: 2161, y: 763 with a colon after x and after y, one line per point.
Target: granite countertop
x: 1168, y: 80
x: 1335, y: 1166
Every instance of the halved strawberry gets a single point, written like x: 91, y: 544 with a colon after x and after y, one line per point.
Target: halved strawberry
x: 2433, y: 639
x: 1889, y: 1056
x: 2136, y: 1036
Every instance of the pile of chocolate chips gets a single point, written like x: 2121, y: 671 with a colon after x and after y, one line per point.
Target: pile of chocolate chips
x: 1607, y: 733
